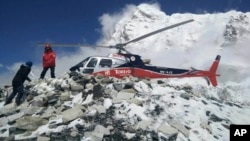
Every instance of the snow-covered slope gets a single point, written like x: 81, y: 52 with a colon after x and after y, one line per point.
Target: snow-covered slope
x: 73, y: 107
x: 86, y: 108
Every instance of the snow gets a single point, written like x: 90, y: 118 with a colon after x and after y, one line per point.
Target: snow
x: 107, y: 103
x: 193, y: 110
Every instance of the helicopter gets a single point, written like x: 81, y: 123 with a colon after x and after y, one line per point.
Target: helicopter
x: 125, y: 64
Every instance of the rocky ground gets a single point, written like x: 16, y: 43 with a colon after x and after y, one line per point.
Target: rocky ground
x: 75, y: 107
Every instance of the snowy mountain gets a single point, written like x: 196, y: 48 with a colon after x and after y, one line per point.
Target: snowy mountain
x: 76, y: 107
x: 220, y: 29
x: 191, y: 45
x: 208, y: 34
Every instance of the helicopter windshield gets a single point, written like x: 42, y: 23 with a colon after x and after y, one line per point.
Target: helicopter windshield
x: 85, y: 61
x: 79, y: 65
x: 92, y: 62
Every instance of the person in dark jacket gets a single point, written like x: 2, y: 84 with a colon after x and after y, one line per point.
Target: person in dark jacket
x: 17, y: 83
x: 49, y: 61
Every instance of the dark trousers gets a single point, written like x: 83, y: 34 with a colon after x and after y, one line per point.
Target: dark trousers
x: 17, y: 88
x: 45, y: 69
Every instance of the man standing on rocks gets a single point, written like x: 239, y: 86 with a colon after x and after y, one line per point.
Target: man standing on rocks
x: 49, y: 61
x: 17, y: 83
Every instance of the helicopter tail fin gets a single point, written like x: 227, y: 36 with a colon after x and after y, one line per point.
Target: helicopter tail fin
x: 212, y: 71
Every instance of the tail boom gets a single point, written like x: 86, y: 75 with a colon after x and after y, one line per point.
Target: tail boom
x: 210, y: 75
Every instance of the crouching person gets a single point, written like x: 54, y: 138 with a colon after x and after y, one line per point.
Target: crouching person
x: 17, y: 83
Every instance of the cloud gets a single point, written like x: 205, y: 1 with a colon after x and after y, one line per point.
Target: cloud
x: 109, y: 21
x: 1, y: 65
x: 6, y: 76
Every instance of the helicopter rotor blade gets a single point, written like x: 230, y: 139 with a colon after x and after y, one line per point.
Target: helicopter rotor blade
x: 72, y: 45
x: 120, y: 46
x: 157, y: 31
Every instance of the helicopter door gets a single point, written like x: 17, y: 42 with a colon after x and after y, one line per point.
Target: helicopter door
x: 90, y: 66
x: 105, y: 63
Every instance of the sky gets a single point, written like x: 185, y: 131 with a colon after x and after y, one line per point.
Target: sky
x: 25, y: 23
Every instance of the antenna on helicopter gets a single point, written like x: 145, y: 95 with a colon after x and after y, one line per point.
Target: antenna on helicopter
x: 120, y: 46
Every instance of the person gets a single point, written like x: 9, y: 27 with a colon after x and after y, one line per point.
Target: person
x: 49, y: 61
x: 17, y: 83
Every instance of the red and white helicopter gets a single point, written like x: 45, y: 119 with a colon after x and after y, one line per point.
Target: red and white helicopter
x: 127, y: 64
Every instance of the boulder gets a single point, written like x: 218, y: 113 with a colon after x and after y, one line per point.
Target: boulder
x: 30, y: 123
x: 177, y: 125
x: 65, y: 96
x: 71, y: 114
x: 167, y: 130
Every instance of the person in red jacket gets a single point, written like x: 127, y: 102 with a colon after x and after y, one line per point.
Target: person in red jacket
x: 49, y: 61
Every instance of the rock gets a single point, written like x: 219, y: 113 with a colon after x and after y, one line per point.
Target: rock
x: 89, y: 86
x: 107, y: 92
x: 98, y: 91
x: 98, y: 133
x: 118, y: 86
x: 38, y: 102
x: 30, y: 123
x: 180, y: 128
x: 123, y: 96
x: 55, y: 121
x: 75, y: 86
x: 186, y: 96
x: 197, y: 93
x: 93, y: 136
x: 101, y: 109
x: 42, y: 138
x: 142, y: 87
x: 146, y: 81
x: 204, y: 102
x: 50, y: 111
x: 99, y: 76
x: 64, y: 85
x: 167, y: 130
x: 71, y: 114
x: 160, y: 82
x: 144, y: 125
x: 129, y: 91
x: 65, y: 96
x: 74, y: 133
x: 187, y: 88
x: 157, y: 110
x: 52, y: 100
x: 13, y: 117
x: 129, y: 85
x: 30, y: 97
x: 107, y: 80
x: 136, y: 101
x: 172, y: 137
x: 31, y: 110
x: 3, y: 121
x: 8, y: 109
x: 204, y: 124
x: 215, y: 118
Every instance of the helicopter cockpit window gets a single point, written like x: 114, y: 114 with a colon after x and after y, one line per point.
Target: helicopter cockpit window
x: 92, y: 62
x: 84, y: 61
x: 105, y: 63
